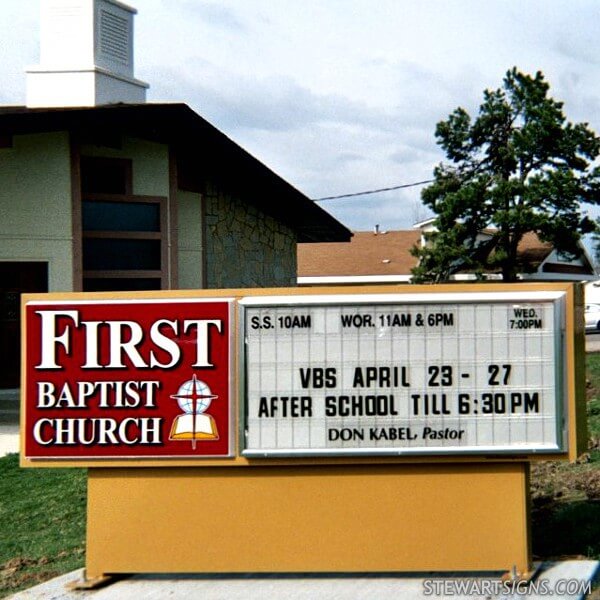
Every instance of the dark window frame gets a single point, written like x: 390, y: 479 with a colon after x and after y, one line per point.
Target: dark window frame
x: 125, y: 165
x: 98, y: 166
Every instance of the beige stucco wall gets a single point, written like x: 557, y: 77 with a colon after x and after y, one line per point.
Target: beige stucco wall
x: 245, y: 247
x: 150, y: 163
x: 189, y: 239
x: 35, y: 204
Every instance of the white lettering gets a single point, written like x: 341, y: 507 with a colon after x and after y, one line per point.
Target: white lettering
x: 91, y: 344
x: 202, y: 345
x: 123, y: 431
x: 85, y: 390
x: 107, y: 429
x: 64, y: 430
x: 150, y: 428
x: 164, y: 343
x: 37, y: 432
x: 119, y: 346
x: 66, y: 398
x: 50, y: 337
x: 46, y: 397
x: 125, y: 339
x: 101, y: 431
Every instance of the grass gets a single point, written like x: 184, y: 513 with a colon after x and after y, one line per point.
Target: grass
x: 42, y: 523
x: 42, y: 511
x: 566, y: 497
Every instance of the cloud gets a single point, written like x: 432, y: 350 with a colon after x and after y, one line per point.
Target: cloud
x: 349, y: 157
x: 276, y: 103
x: 212, y: 14
x: 412, y: 154
x: 334, y: 116
x: 391, y: 210
x: 324, y: 144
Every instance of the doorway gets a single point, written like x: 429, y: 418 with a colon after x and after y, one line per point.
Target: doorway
x: 15, y: 279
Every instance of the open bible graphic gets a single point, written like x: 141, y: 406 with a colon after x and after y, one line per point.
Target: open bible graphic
x: 194, y: 397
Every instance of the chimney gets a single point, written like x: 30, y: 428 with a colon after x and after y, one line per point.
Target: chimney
x: 86, y: 55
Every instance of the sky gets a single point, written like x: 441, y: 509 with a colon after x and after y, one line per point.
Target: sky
x: 342, y: 96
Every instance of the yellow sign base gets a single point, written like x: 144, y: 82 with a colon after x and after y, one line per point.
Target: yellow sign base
x: 325, y: 518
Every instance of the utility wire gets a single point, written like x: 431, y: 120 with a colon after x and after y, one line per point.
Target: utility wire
x: 387, y: 189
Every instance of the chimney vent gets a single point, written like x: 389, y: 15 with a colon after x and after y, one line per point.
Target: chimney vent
x: 86, y: 55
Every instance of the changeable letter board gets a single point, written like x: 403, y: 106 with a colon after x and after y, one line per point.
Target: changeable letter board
x: 404, y: 374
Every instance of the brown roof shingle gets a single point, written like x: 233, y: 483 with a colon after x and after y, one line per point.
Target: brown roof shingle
x: 370, y: 253
x: 364, y: 254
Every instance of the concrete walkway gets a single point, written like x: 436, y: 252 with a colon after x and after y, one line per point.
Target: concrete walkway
x: 564, y: 580
x: 9, y: 439
x: 592, y: 346
x: 9, y: 421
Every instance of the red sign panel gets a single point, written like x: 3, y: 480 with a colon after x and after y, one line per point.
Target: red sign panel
x: 128, y: 378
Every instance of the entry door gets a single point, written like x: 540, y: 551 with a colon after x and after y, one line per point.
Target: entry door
x: 16, y: 278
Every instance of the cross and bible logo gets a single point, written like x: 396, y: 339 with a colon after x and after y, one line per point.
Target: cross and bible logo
x: 194, y: 398
x: 132, y: 378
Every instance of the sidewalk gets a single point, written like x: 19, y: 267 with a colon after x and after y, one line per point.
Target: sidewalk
x: 9, y: 421
x: 564, y: 580
x: 9, y: 439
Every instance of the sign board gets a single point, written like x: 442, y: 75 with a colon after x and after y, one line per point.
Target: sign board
x: 128, y: 378
x: 404, y: 374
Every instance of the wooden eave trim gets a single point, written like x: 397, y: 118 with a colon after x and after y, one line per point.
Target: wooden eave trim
x: 173, y: 224
x: 124, y: 198
x: 123, y: 274
x: 124, y: 235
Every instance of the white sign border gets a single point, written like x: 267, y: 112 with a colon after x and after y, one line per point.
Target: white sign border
x: 562, y: 421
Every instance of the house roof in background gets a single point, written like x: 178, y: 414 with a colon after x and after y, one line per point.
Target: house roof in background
x: 367, y: 253
x: 203, y: 154
x: 533, y: 250
x: 388, y: 254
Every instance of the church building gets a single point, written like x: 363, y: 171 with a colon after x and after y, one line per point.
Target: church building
x: 101, y: 191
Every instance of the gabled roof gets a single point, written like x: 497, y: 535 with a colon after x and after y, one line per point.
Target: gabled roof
x: 204, y: 155
x: 381, y: 255
x: 532, y: 250
x: 367, y: 253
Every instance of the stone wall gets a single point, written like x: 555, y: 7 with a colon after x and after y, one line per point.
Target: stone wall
x: 245, y: 247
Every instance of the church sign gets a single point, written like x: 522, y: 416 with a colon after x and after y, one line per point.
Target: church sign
x: 249, y: 376
x: 277, y: 403
x: 128, y: 378
x: 404, y: 374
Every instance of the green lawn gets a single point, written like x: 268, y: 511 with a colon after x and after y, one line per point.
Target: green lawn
x: 566, y: 497
x: 42, y: 511
x: 42, y: 523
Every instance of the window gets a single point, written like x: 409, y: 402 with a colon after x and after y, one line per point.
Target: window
x: 105, y: 215
x: 106, y: 176
x: 124, y: 235
x: 566, y: 257
x: 123, y: 285
x: 16, y: 278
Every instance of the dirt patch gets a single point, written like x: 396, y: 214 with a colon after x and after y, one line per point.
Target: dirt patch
x: 21, y: 572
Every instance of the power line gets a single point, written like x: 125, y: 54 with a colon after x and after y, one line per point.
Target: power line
x: 387, y: 189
